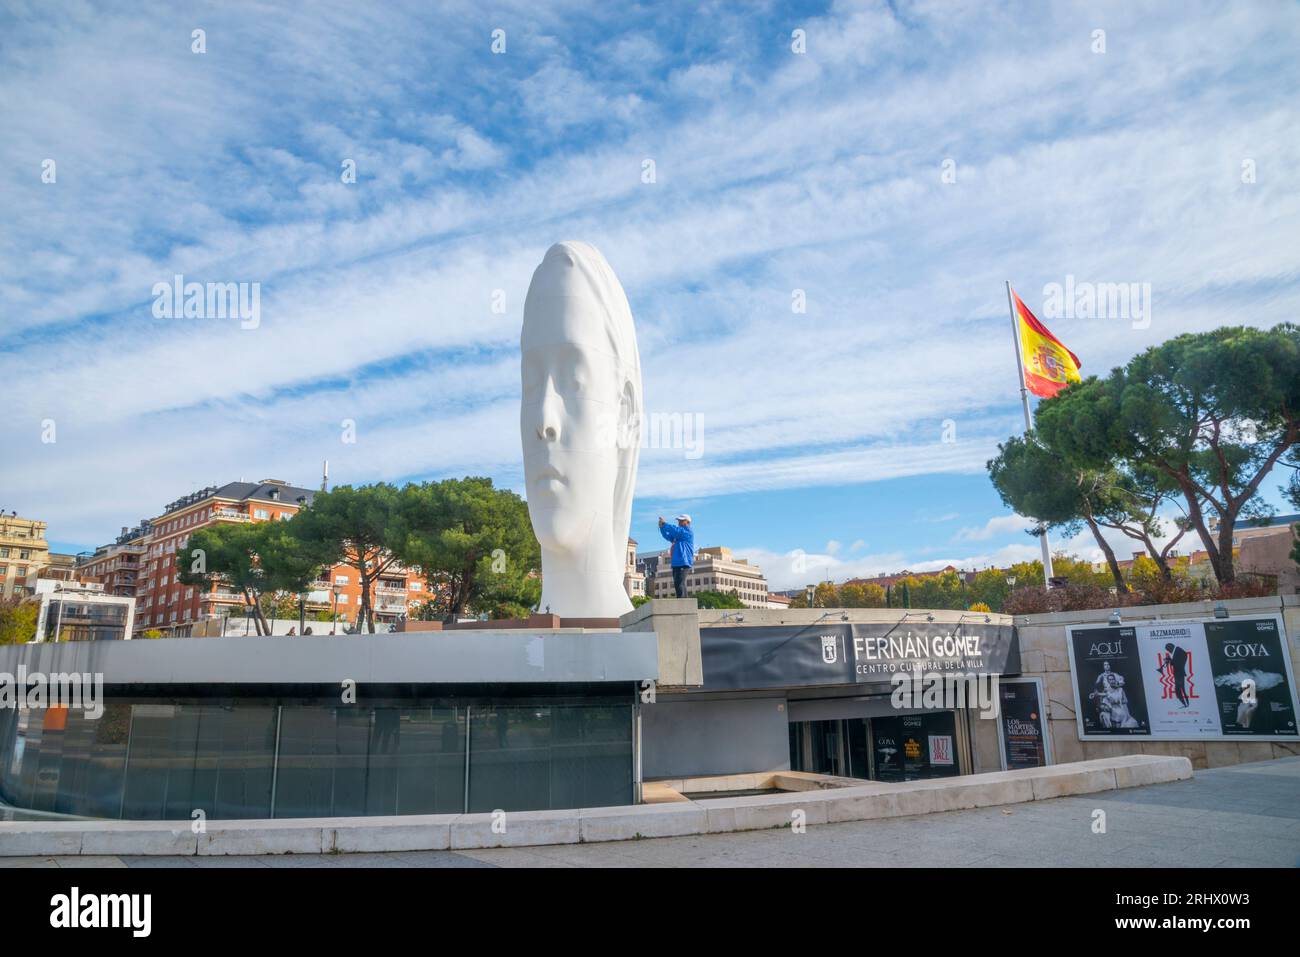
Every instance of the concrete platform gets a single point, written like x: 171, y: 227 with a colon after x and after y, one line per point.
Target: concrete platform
x: 864, y: 802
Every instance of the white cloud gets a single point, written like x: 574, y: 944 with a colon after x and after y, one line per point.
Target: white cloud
x: 998, y: 525
x: 818, y: 172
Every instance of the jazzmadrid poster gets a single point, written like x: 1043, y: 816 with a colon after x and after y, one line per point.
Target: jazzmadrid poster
x: 1176, y: 675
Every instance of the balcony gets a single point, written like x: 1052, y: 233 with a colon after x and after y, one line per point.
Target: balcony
x: 231, y: 515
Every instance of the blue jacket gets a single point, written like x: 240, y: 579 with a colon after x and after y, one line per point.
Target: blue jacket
x: 683, y: 540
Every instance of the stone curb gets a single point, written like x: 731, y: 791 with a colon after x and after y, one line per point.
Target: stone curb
x: 436, y: 832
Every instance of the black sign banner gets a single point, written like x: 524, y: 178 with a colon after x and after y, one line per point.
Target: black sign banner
x: 785, y: 656
x: 1022, y: 724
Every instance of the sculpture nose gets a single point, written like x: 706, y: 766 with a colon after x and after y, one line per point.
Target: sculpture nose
x: 548, y: 426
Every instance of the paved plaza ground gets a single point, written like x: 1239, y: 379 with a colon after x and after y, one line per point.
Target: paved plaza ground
x: 1242, y: 816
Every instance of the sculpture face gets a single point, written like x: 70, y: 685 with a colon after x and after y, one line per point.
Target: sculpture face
x: 579, y: 423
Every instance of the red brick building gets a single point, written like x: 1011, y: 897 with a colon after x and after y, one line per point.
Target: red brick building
x: 142, y: 563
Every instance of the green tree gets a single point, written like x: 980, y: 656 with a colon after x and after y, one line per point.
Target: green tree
x: 718, y: 599
x: 1292, y: 491
x: 282, y: 604
x: 18, y: 620
x: 990, y: 587
x: 1144, y: 574
x: 357, y: 527
x: 937, y: 591
x: 826, y: 596
x: 475, y: 541
x: 861, y: 596
x: 1211, y: 412
x: 256, y: 559
x: 1035, y: 481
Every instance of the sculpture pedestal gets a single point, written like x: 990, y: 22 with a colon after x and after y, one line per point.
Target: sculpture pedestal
x: 676, y: 624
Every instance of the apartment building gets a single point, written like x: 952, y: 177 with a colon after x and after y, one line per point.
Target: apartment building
x: 634, y: 581
x: 117, y: 566
x: 165, y: 604
x: 1263, y: 547
x: 24, y: 551
x: 396, y: 592
x: 715, y: 570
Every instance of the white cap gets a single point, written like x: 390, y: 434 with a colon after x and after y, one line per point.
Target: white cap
x: 683, y: 518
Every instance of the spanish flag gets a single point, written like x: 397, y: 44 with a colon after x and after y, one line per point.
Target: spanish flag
x: 1049, y: 367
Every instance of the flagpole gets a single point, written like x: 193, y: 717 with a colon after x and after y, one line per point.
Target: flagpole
x: 1024, y: 402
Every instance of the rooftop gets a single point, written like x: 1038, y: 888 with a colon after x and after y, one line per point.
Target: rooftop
x: 267, y: 490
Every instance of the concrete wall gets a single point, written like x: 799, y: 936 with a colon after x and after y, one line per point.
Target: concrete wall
x: 675, y: 622
x: 467, y: 657
x: 700, y: 738
x: 1044, y: 651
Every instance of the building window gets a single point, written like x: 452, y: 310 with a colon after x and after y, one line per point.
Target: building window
x: 340, y: 579
x: 261, y: 513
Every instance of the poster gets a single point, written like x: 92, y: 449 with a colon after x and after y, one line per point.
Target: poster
x: 1107, y: 665
x: 1179, y: 689
x: 1250, y: 678
x: 887, y: 749
x: 913, y: 747
x: 1022, y: 724
x: 1194, y: 680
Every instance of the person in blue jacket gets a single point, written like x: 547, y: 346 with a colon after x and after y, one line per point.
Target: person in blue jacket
x: 683, y: 540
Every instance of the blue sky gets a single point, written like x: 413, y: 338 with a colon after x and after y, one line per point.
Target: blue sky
x: 775, y: 171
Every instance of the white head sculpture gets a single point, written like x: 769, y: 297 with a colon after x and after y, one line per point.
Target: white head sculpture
x: 580, y: 424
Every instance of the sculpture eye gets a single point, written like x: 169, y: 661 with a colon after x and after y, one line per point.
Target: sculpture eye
x: 579, y: 376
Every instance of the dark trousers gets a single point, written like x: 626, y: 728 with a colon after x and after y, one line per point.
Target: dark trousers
x: 679, y: 579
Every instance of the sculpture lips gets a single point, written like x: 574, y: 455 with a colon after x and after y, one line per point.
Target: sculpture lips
x: 550, y: 473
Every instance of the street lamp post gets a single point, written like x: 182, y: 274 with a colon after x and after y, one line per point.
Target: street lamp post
x: 334, y: 625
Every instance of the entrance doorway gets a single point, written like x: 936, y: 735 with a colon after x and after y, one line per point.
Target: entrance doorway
x: 890, y: 748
